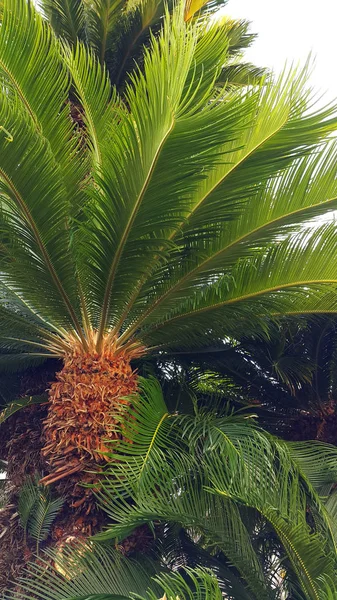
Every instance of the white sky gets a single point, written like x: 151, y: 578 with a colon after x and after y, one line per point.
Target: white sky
x: 288, y: 30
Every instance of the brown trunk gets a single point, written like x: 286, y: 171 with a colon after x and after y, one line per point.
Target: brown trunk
x: 64, y: 440
x: 20, y: 445
x: 86, y: 408
x: 319, y: 423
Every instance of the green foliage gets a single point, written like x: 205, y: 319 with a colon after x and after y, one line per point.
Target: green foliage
x: 200, y: 586
x: 18, y: 404
x: 118, y: 32
x: 199, y: 471
x: 173, y: 216
x: 220, y: 494
x: 86, y: 570
x: 37, y: 510
x: 93, y: 572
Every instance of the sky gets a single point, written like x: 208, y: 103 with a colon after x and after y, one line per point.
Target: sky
x: 288, y: 30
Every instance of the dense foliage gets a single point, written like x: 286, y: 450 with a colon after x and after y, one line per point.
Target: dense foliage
x: 155, y: 206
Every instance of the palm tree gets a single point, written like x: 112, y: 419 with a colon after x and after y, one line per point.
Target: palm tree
x: 171, y: 218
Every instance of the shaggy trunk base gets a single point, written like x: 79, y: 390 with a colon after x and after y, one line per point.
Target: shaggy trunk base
x: 86, y: 408
x: 20, y: 445
x: 62, y: 440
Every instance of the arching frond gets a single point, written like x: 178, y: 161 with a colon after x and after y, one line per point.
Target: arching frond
x: 84, y: 571
x: 67, y: 17
x: 174, y: 216
x: 224, y: 462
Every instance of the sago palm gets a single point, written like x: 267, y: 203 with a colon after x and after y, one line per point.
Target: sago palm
x: 172, y: 217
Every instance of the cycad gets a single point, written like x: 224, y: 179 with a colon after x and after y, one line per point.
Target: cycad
x: 173, y: 217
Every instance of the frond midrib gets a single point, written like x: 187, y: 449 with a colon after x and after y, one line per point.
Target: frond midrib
x: 26, y: 212
x: 119, y: 251
x: 223, y: 251
x: 275, y: 288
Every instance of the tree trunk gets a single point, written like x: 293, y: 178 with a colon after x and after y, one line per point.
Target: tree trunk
x: 62, y: 441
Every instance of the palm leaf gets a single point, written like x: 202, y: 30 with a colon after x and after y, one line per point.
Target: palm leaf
x: 206, y: 254
x: 67, y: 17
x: 18, y: 404
x: 43, y: 515
x: 243, y: 466
x: 200, y: 585
x: 28, y: 498
x: 41, y: 84
x: 86, y: 571
x: 37, y: 510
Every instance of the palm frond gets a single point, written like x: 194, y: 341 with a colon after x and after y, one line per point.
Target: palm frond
x: 241, y: 74
x: 38, y: 239
x: 20, y: 403
x: 239, y: 465
x: 208, y: 254
x: 43, y: 515
x: 265, y: 283
x: 84, y: 571
x: 197, y: 584
x: 160, y: 115
x: 28, y: 498
x: 39, y: 80
x: 97, y: 99
x: 37, y: 509
x: 67, y: 17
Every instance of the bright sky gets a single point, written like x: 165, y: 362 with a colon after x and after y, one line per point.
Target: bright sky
x: 288, y: 30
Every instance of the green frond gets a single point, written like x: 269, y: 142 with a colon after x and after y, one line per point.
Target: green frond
x: 147, y: 424
x: 66, y: 17
x: 281, y: 501
x: 317, y: 461
x: 208, y: 253
x: 106, y: 22
x: 97, y: 99
x: 85, y: 571
x: 120, y: 579
x: 138, y: 213
x: 43, y: 515
x: 33, y: 221
x: 223, y: 463
x: 241, y: 75
x: 32, y: 71
x: 197, y: 584
x: 140, y: 17
x: 37, y: 510
x: 20, y: 403
x: 28, y: 497
x: 265, y: 283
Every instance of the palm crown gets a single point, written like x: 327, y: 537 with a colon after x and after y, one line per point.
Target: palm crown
x: 173, y: 216
x: 117, y: 31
